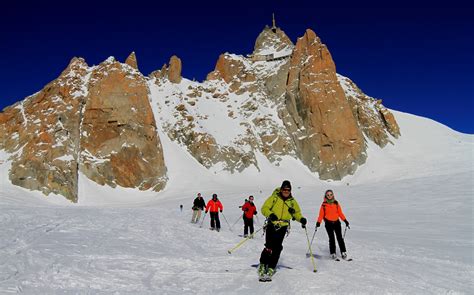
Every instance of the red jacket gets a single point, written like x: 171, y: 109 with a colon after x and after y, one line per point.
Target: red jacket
x: 214, y: 206
x: 249, y: 209
x: 330, y: 212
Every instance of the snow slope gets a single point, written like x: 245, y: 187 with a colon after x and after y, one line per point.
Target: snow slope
x: 410, y: 209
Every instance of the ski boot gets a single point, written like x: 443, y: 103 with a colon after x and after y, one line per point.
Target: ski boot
x: 262, y: 272
x: 270, y: 273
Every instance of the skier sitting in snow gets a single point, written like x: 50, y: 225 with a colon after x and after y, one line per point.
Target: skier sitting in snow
x: 198, y: 206
x: 214, y: 206
x: 249, y: 211
x: 279, y: 209
x: 331, y: 211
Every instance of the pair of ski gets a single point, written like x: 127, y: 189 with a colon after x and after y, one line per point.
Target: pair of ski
x: 335, y: 258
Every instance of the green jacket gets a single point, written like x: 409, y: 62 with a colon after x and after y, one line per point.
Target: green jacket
x: 276, y: 205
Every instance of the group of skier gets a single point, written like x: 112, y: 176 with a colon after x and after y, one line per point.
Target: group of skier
x: 279, y: 209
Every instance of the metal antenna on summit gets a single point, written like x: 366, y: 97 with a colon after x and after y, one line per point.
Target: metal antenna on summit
x: 274, y: 28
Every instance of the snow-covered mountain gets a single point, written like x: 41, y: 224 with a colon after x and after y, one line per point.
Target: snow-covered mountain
x: 284, y: 103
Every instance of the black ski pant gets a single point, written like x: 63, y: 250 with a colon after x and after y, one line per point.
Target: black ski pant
x: 334, y: 227
x: 215, y: 222
x: 273, y: 245
x: 248, y: 223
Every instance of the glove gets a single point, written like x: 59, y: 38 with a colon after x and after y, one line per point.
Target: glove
x: 246, y: 209
x: 273, y: 217
x: 346, y: 222
x: 291, y: 210
x: 318, y: 224
x: 255, y: 213
x: 221, y: 211
x: 206, y: 211
x: 303, y: 222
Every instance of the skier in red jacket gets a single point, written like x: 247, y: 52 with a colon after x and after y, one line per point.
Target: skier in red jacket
x: 214, y: 206
x: 249, y: 211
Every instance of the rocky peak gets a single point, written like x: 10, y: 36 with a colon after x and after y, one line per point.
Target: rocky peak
x: 132, y: 60
x: 321, y: 121
x: 272, y: 41
x: 172, y: 72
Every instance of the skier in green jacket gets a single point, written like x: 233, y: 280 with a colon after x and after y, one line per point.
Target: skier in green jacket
x: 279, y: 209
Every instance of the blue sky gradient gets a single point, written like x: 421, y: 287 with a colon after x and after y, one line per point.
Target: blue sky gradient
x: 415, y: 55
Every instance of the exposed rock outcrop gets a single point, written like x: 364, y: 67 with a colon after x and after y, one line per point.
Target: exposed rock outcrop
x: 320, y: 118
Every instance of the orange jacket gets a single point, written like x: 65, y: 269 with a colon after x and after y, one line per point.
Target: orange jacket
x: 330, y: 211
x: 214, y: 206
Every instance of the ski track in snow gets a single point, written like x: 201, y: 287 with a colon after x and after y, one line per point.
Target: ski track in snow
x: 408, y: 246
x: 410, y: 208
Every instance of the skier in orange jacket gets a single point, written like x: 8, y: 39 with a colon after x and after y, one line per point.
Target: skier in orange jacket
x: 331, y: 211
x: 214, y: 206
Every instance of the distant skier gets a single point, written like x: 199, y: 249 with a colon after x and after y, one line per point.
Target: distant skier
x: 181, y: 207
x: 331, y: 211
x: 198, y: 206
x: 279, y: 209
x: 249, y: 211
x: 214, y: 206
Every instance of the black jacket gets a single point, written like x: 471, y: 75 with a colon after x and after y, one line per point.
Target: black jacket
x: 199, y: 203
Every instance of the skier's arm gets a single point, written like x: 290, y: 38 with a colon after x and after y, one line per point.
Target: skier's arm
x: 339, y: 212
x: 266, y: 207
x: 297, y: 215
x: 321, y: 214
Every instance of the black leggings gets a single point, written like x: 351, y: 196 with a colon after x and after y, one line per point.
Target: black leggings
x: 215, y: 222
x: 335, y: 227
x: 248, y: 223
x: 273, y: 245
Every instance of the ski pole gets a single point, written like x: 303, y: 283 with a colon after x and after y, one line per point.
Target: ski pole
x: 345, y: 231
x: 258, y: 221
x: 202, y: 221
x: 312, y: 239
x: 310, y: 252
x: 226, y: 221
x: 244, y: 240
x: 236, y: 221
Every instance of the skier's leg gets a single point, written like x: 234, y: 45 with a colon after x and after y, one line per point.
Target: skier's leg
x: 267, y: 251
x: 277, y: 247
x: 340, y: 239
x: 213, y: 217
x: 246, y: 226
x: 332, y: 242
x: 218, y: 222
x: 250, y: 221
x: 198, y: 215
x: 193, y: 219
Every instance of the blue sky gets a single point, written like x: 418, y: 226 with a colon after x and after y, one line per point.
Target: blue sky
x: 415, y: 55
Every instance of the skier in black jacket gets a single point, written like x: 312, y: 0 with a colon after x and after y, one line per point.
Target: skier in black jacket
x: 198, y: 206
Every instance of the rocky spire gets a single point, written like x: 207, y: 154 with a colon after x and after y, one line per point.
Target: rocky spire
x: 174, y: 70
x: 132, y: 60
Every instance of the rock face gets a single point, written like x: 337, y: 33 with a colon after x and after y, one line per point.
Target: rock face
x: 320, y: 118
x: 281, y: 101
x: 119, y: 141
x: 42, y: 134
x: 94, y: 120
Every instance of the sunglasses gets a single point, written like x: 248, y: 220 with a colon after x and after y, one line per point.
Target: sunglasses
x: 329, y: 195
x: 286, y: 190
